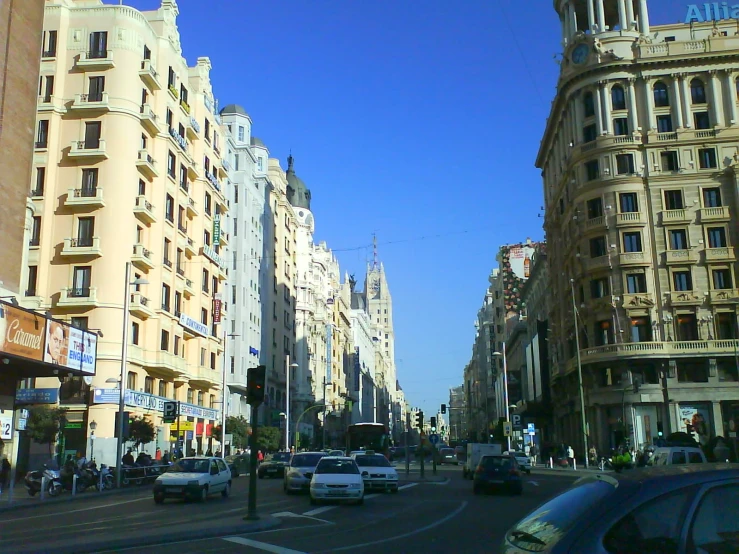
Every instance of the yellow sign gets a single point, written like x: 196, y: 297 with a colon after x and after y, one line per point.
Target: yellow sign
x: 184, y: 426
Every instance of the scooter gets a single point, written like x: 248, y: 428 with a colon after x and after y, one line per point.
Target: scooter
x: 34, y: 480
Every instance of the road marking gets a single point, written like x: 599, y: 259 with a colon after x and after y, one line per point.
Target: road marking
x: 534, y: 483
x: 320, y: 510
x: 79, y: 510
x: 262, y: 546
x: 293, y: 514
x: 445, y: 482
x: 438, y: 522
x: 407, y: 486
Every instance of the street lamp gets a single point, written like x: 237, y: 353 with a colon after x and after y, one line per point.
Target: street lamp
x: 287, y: 401
x: 93, y: 426
x: 124, y: 362
x: 583, y: 417
x: 505, y: 389
x: 224, y: 392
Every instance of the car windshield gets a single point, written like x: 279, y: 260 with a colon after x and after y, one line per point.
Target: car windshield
x: 372, y: 461
x: 191, y: 465
x: 306, y: 460
x: 280, y: 457
x: 345, y: 467
x: 546, y: 525
x: 495, y: 462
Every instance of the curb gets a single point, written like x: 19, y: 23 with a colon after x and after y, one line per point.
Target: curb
x: 265, y: 523
x: 16, y: 506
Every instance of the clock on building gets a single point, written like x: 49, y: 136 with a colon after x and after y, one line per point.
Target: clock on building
x: 580, y: 54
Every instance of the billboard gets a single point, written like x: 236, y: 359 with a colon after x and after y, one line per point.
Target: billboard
x: 70, y: 347
x: 695, y: 419
x: 22, y: 333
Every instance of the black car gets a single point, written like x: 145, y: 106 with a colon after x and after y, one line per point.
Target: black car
x: 274, y: 466
x: 663, y: 510
x: 497, y: 473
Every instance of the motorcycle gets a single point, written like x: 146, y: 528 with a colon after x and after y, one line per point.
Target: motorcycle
x: 34, y: 481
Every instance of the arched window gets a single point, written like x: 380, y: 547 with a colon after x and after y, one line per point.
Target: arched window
x: 618, y: 98
x: 588, y: 104
x: 661, y: 97
x: 697, y: 91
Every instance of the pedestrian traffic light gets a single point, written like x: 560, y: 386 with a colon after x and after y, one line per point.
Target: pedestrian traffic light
x: 433, y: 425
x: 255, y: 381
x: 443, y: 408
x: 419, y: 419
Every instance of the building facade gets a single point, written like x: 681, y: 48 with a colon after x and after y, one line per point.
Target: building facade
x: 128, y: 172
x: 457, y: 414
x: 639, y: 170
x: 363, y: 361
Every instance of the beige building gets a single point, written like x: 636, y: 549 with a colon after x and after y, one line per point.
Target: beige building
x: 127, y: 169
x: 639, y: 164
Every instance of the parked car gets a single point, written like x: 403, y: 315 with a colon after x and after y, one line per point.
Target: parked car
x: 337, y: 478
x: 524, y: 462
x: 196, y: 477
x: 300, y: 471
x: 677, y: 455
x: 274, y: 466
x: 238, y: 464
x: 499, y: 472
x: 664, y: 509
x: 381, y: 474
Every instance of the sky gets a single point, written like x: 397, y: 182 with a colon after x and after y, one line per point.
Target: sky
x: 418, y: 121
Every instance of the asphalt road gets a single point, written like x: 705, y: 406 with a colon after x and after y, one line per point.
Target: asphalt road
x: 423, y: 517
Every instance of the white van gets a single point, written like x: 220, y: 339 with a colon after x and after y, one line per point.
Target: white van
x: 677, y: 455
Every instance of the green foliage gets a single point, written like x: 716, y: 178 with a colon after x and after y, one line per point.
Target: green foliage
x: 268, y: 438
x: 238, y: 427
x: 44, y: 423
x: 140, y: 431
x: 305, y: 440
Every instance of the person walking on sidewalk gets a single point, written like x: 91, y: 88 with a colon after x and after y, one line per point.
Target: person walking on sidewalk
x: 570, y: 456
x: 533, y: 451
x: 4, y: 474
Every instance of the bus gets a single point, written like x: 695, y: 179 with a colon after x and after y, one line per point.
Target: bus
x: 368, y: 436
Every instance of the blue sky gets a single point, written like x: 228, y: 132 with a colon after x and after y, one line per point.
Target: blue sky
x: 418, y: 121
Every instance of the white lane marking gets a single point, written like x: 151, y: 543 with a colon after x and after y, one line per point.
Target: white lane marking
x: 293, y: 514
x: 75, y: 511
x: 316, y: 511
x: 533, y: 483
x: 446, y: 482
x: 438, y: 522
x: 407, y: 486
x: 262, y: 546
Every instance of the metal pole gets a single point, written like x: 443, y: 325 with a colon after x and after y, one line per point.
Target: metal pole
x: 579, y: 377
x: 251, y: 513
x: 407, y: 453
x: 505, y: 394
x: 323, y: 441
x: 287, y: 403
x: 122, y: 384
x: 177, y: 443
x: 224, y: 394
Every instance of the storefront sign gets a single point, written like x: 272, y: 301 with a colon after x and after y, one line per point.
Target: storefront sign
x: 711, y: 11
x: 6, y: 425
x: 217, y: 309
x: 151, y: 402
x: 37, y: 396
x: 195, y: 326
x: 184, y: 425
x: 217, y: 230
x: 82, y: 350
x: 212, y: 255
x: 21, y: 332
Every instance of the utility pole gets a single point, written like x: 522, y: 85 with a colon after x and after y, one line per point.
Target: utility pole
x: 579, y: 377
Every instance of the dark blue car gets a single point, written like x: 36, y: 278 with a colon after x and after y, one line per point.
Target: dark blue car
x: 497, y: 473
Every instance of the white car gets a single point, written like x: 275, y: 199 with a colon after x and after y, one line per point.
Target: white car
x: 523, y: 460
x: 196, y: 477
x: 380, y: 474
x: 337, y: 478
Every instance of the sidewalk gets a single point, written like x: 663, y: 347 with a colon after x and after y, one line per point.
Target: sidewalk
x: 581, y: 470
x: 22, y: 500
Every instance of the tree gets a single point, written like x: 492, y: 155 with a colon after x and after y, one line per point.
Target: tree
x: 44, y: 423
x: 140, y: 431
x: 268, y: 438
x: 238, y: 427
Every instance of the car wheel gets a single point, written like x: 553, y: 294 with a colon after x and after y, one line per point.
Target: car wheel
x: 226, y: 492
x: 159, y: 498
x: 360, y: 501
x: 313, y: 501
x: 204, y: 493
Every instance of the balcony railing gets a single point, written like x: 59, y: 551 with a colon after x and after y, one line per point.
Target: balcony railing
x: 82, y: 246
x: 721, y: 254
x: 146, y: 164
x: 85, y: 197
x: 96, y: 58
x: 144, y: 210
x: 97, y: 101
x: 681, y: 256
x: 77, y: 296
x: 676, y: 216
x: 92, y: 148
x: 719, y: 213
x: 149, y: 75
x: 631, y: 218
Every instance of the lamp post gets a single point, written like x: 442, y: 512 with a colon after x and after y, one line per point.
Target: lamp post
x: 124, y: 362
x: 579, y: 377
x: 289, y: 368
x: 93, y: 426
x: 505, y: 389
x: 283, y: 414
x: 224, y: 392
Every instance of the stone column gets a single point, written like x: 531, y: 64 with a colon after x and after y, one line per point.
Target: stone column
x: 649, y: 97
x: 622, y: 21
x: 591, y: 15
x: 687, y: 102
x: 606, y: 107
x: 630, y: 13
x: 677, y: 103
x: 598, y: 111
x: 601, y: 17
x: 573, y: 19
x: 565, y: 31
x: 718, y: 115
x: 579, y: 116
x: 731, y: 94
x: 643, y: 17
x: 633, y: 114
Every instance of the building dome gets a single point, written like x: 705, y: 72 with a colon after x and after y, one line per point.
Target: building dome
x: 297, y: 193
x: 234, y: 108
x: 257, y: 142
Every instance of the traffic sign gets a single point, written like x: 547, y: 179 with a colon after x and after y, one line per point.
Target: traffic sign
x: 434, y: 438
x: 531, y: 429
x: 170, y: 412
x: 507, y: 429
x: 516, y: 420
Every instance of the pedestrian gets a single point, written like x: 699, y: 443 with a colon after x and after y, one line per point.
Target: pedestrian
x: 570, y: 456
x: 4, y: 474
x: 260, y: 457
x: 533, y: 452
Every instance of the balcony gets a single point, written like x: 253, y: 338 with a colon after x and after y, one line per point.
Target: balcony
x: 633, y: 258
x: 147, y: 165
x: 167, y: 363
x: 192, y: 211
x: 78, y: 297
x: 223, y: 238
x: 205, y: 377
x: 140, y: 306
x: 84, y: 198
x: 595, y: 223
x: 185, y: 107
x: 149, y: 75
x: 190, y: 249
x: 84, y: 247
x: 687, y: 256
x: 88, y: 149
x: 192, y: 129
x: 194, y: 171
x: 149, y: 120
x: 45, y: 103
x: 627, y: 219
x: 685, y: 298
x: 725, y: 254
x: 599, y: 262
x: 672, y: 217
x: 141, y: 258
x: 642, y: 350
x: 722, y: 213
x: 96, y: 59
x: 144, y: 210
x: 91, y: 102
x: 189, y: 288
x: 725, y: 296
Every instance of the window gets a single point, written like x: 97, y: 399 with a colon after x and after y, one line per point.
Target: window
x: 641, y: 329
x: 678, y: 239
x: 668, y: 161
x: 131, y: 380
x: 620, y: 126
x: 169, y: 208
x: 135, y: 329
x: 89, y: 182
x: 716, y: 237
x: 200, y: 398
x: 184, y: 185
x: 603, y: 332
x: 628, y: 202
x: 42, y: 135
x: 96, y: 89
x: 98, y: 44
x: 166, y: 297
x: 81, y: 280
x: 726, y: 326
x: 85, y: 231
x: 149, y: 385
x: 46, y: 92
x: 165, y: 341
x: 661, y: 95
x: 674, y: 200
x: 636, y: 283
x: 32, y: 280
x: 682, y: 281
x: 183, y: 96
x: 49, y: 44
x: 241, y: 133
x: 697, y: 91
x: 721, y: 279
x: 592, y: 170
x: 707, y: 158
x: 595, y: 208
x: 701, y: 120
x: 171, y: 77
x: 589, y: 133
x: 618, y: 98
x: 171, y: 164
x: 206, y: 237
x: 260, y: 164
x: 40, y: 182
x: 176, y: 350
x: 92, y: 135
x: 664, y: 124
x: 212, y: 360
x: 599, y: 288
x: 189, y: 396
x: 207, y: 203
x: 598, y: 247
x: 632, y: 242
x: 35, y: 231
x: 206, y: 280
x: 625, y: 164
x: 588, y: 104
x: 142, y: 187
x: 177, y: 303
x: 716, y: 522
x: 712, y: 197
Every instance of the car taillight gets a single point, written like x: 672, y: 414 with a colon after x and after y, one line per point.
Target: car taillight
x: 479, y: 470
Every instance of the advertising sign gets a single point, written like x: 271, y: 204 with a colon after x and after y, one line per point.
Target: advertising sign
x: 217, y: 309
x: 213, y: 256
x: 36, y: 396
x: 82, y: 350
x: 217, y: 230
x: 151, y: 402
x: 21, y: 332
x: 193, y: 325
x: 695, y: 419
x: 6, y: 424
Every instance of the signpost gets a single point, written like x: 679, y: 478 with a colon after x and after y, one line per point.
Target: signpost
x: 255, y: 381
x: 434, y: 438
x: 516, y: 420
x: 507, y: 429
x: 170, y: 412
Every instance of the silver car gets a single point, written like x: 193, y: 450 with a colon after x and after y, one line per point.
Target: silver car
x: 298, y: 474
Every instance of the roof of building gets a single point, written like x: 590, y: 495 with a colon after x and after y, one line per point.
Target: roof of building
x: 297, y: 193
x: 234, y: 108
x: 358, y: 301
x: 257, y: 141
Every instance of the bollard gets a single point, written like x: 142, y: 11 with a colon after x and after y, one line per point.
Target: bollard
x: 74, y: 484
x: 551, y: 463
x: 574, y: 463
x: 100, y: 484
x: 44, y: 481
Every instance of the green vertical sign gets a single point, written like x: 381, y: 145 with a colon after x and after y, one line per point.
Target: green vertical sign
x: 217, y: 230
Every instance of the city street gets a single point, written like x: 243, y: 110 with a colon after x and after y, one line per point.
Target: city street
x: 441, y: 516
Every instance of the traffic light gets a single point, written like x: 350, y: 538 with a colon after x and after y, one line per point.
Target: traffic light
x: 419, y: 419
x: 443, y: 408
x: 255, y: 380
x: 126, y: 424
x: 433, y: 425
